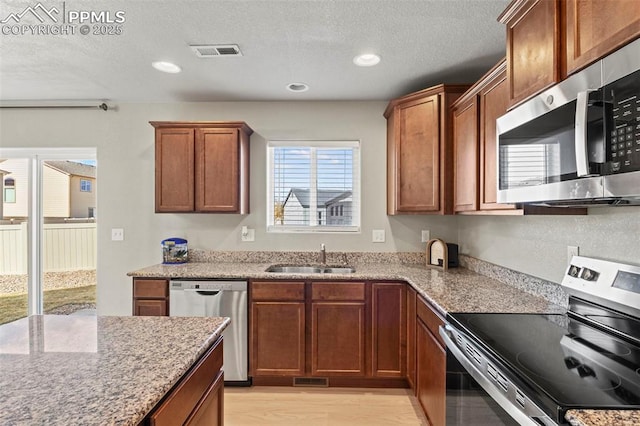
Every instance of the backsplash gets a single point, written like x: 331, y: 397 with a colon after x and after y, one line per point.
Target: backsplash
x: 527, y: 283
x: 304, y: 257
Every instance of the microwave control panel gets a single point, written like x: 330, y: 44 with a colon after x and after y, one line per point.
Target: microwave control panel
x: 624, y: 136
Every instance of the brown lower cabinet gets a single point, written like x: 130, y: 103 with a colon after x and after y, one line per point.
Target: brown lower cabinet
x: 197, y: 399
x: 150, y: 297
x: 351, y: 333
x: 431, y: 360
x: 277, y: 329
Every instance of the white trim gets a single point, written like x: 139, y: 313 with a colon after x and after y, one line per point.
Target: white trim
x: 313, y: 230
x: 315, y: 143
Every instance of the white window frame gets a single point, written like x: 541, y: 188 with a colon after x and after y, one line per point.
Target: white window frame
x: 313, y: 227
x: 35, y: 225
x: 85, y: 183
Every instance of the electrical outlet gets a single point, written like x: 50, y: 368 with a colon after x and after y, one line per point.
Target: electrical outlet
x: 426, y: 236
x: 117, y: 234
x: 572, y: 251
x: 248, y: 234
x: 378, y: 236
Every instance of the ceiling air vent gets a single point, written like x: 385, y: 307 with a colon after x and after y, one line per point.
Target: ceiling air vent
x: 215, y: 50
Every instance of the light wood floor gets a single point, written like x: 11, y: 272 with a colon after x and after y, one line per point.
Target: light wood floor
x: 302, y: 406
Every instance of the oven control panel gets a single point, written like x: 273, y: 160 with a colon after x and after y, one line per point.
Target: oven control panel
x: 616, y: 282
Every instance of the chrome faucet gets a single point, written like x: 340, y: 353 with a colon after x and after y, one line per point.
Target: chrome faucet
x: 323, y: 254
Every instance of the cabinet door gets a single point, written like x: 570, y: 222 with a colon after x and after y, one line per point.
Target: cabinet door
x: 150, y: 307
x: 465, y: 145
x: 594, y: 28
x: 494, y: 98
x: 431, y: 375
x: 533, y: 41
x: 174, y: 170
x: 389, y: 327
x: 217, y: 170
x: 338, y: 338
x: 210, y: 410
x: 277, y: 338
x: 418, y: 156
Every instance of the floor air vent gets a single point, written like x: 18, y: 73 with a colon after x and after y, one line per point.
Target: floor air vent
x: 215, y: 50
x: 311, y: 381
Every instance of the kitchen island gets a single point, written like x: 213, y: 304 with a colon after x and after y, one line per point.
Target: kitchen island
x: 87, y: 370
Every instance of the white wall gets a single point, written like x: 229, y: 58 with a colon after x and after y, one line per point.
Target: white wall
x: 537, y: 245
x: 125, y: 146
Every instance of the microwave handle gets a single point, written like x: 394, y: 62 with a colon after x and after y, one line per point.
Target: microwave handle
x: 582, y: 155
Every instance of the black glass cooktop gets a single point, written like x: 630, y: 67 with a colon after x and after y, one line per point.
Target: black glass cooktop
x: 564, y: 362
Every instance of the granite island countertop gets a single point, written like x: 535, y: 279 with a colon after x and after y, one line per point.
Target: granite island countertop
x: 88, y: 370
x: 455, y: 290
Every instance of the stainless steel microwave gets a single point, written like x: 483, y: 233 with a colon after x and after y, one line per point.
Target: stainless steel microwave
x: 578, y: 143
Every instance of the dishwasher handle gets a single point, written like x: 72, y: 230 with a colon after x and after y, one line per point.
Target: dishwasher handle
x: 203, y: 292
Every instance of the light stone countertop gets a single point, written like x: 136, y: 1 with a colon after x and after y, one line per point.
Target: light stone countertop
x: 456, y: 290
x: 88, y: 370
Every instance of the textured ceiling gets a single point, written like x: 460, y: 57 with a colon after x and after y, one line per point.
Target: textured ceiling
x: 422, y: 43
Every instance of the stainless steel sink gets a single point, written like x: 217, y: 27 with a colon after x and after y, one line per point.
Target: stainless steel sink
x: 339, y: 270
x: 296, y: 269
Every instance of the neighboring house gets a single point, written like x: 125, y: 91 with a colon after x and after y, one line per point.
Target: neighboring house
x: 333, y: 207
x: 69, y: 189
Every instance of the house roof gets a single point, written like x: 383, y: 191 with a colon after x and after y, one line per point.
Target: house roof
x: 4, y: 172
x: 73, y: 168
x: 325, y: 196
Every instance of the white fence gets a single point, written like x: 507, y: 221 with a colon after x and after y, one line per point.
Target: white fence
x: 66, y: 247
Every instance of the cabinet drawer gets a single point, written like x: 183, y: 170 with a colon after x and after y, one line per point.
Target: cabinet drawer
x: 150, y: 288
x: 182, y: 401
x: 430, y: 318
x: 337, y: 291
x: 274, y: 290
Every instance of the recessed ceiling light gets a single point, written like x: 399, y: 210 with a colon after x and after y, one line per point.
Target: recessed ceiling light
x: 297, y: 87
x: 366, y: 60
x: 169, y: 67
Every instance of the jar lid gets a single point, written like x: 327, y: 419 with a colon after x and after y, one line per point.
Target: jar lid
x: 174, y: 241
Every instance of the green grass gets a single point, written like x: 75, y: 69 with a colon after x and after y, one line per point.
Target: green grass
x: 14, y: 306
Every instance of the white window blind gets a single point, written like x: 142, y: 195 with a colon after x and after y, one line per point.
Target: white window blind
x: 313, y: 186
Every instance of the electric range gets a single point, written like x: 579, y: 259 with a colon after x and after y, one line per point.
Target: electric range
x: 538, y: 366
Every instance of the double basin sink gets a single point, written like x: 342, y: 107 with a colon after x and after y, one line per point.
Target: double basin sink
x: 297, y: 269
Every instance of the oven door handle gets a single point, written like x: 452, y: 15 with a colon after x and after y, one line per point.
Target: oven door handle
x: 524, y: 418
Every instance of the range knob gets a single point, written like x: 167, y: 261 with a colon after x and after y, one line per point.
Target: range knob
x: 589, y: 274
x: 574, y: 271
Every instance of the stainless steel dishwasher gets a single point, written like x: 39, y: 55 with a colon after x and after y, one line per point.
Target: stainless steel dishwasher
x: 191, y: 298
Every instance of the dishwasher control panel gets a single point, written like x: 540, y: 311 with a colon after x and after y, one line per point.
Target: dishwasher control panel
x: 189, y: 285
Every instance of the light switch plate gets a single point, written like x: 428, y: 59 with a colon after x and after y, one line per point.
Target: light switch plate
x: 117, y: 234
x: 426, y: 236
x: 378, y: 236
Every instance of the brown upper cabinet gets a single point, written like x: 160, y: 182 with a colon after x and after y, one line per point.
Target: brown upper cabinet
x: 533, y: 47
x: 474, y: 140
x: 595, y: 28
x: 548, y: 40
x: 202, y: 166
x: 420, y: 151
